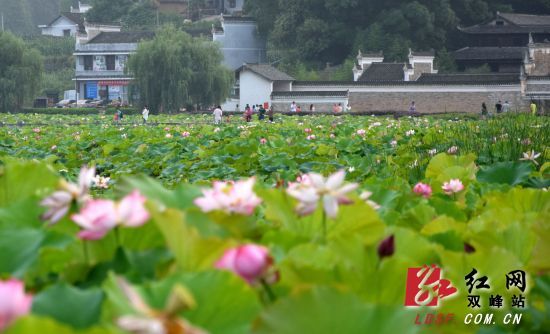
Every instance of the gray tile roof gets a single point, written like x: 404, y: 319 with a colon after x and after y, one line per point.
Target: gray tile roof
x: 526, y: 20
x: 77, y: 18
x: 490, y: 53
x: 515, y: 24
x: 384, y: 72
x: 267, y: 71
x: 338, y: 93
x: 468, y: 79
x: 122, y: 37
x: 430, y: 53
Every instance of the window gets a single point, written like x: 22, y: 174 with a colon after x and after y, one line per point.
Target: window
x: 66, y: 32
x: 499, y: 23
x: 110, y: 60
x: 88, y: 63
x: 232, y: 3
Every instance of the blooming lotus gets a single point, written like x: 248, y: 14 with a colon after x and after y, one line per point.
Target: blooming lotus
x: 168, y: 135
x: 185, y: 134
x: 96, y: 218
x: 251, y: 262
x: 14, y: 303
x: 59, y: 202
x: 361, y: 132
x: 230, y: 197
x: 100, y: 216
x: 131, y: 210
x: 332, y: 192
x: 409, y: 133
x: 423, y: 190
x: 307, y: 130
x: 531, y: 156
x: 101, y: 182
x: 452, y: 187
x: 452, y: 150
x: 263, y: 141
x: 311, y: 137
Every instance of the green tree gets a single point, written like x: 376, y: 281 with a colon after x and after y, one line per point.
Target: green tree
x: 109, y: 11
x: 445, y: 62
x: 20, y: 72
x: 174, y: 70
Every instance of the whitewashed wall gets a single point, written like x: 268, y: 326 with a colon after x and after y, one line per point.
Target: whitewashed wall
x: 57, y: 27
x: 254, y: 89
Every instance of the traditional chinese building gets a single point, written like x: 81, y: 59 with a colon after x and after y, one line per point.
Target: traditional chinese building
x: 100, y: 65
x: 501, y: 43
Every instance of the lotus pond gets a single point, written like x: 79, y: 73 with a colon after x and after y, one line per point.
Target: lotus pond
x: 304, y: 225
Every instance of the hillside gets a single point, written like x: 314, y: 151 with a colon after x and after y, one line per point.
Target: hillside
x: 23, y: 16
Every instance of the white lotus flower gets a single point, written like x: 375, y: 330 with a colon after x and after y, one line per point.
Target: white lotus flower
x: 531, y: 156
x: 331, y: 191
x: 59, y: 202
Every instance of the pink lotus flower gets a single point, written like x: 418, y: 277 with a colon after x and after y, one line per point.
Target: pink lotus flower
x: 166, y: 129
x: 251, y: 262
x: 452, y: 187
x: 96, y: 219
x: 99, y: 216
x: 311, y: 137
x: 59, y: 202
x: 14, y: 303
x: 307, y: 130
x: 36, y: 130
x: 331, y: 191
x: 423, y: 190
x: 168, y: 135
x: 361, y: 132
x: 237, y: 197
x: 263, y: 141
x: 131, y: 211
x: 185, y: 134
x: 332, y: 135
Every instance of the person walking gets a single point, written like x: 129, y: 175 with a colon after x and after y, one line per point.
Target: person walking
x: 483, y: 110
x: 498, y: 107
x: 218, y: 115
x: 412, y: 108
x: 247, y: 113
x: 120, y: 114
x: 145, y: 114
x: 261, y: 113
x: 506, y: 107
x: 293, y: 107
x: 270, y: 113
x: 533, y: 108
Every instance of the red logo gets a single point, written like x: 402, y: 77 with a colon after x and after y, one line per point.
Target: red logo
x: 425, y: 287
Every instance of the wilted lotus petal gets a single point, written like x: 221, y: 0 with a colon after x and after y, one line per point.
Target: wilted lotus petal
x: 386, y: 247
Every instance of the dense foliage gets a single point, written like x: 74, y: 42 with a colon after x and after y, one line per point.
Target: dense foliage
x: 20, y: 72
x: 22, y: 17
x: 323, y: 31
x: 174, y: 71
x: 246, y: 257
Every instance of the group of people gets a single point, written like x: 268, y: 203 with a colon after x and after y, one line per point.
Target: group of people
x: 261, y: 110
x: 504, y: 108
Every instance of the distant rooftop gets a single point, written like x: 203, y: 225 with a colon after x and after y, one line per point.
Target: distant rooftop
x: 384, y: 72
x: 510, y: 23
x: 286, y: 94
x: 267, y: 71
x: 490, y: 53
x: 121, y: 37
x: 466, y: 79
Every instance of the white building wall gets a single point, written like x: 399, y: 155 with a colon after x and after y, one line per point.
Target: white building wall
x: 254, y: 89
x: 57, y: 28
